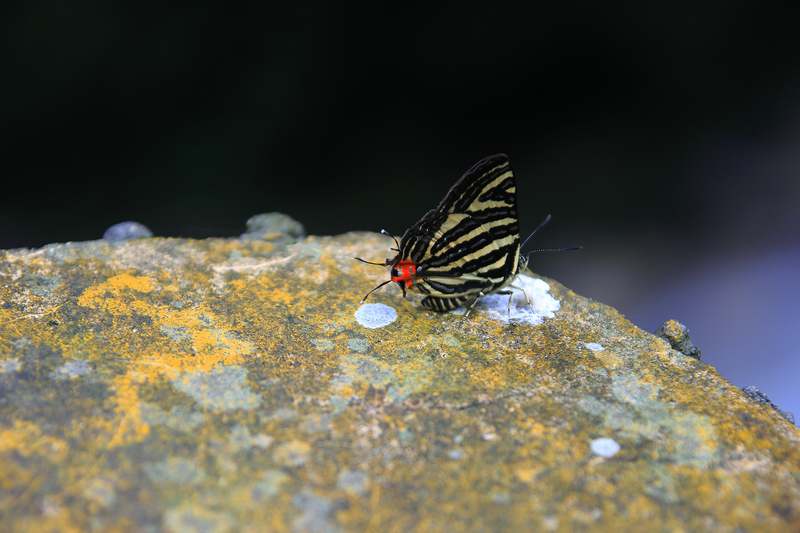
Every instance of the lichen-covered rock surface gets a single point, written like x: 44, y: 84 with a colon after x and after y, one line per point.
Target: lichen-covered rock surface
x: 227, y: 385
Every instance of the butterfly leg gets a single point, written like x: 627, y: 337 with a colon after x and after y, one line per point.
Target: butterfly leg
x: 510, y: 301
x: 527, y: 299
x: 474, y: 301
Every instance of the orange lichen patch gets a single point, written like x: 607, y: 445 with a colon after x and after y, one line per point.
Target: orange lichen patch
x: 291, y: 454
x: 208, y: 337
x: 536, y: 430
x: 238, y: 285
x: 319, y: 272
x: 117, y: 295
x: 282, y: 296
x: 127, y: 425
x: 115, y: 286
x: 526, y: 475
x: 126, y: 281
x: 28, y: 439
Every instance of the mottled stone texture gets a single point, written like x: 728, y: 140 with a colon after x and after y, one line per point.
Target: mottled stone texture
x: 225, y: 385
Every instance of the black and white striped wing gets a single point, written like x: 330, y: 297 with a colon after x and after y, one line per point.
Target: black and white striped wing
x: 470, y: 243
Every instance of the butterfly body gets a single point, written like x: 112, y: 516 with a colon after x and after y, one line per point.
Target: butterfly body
x: 469, y: 246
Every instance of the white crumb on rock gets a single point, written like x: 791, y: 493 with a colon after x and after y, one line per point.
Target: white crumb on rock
x: 605, y: 447
x: 496, y: 305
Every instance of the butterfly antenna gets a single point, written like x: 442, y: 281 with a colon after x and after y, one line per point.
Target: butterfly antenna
x: 368, y: 262
x: 385, y: 263
x: 375, y: 289
x: 555, y: 249
x: 545, y: 221
x: 395, y: 240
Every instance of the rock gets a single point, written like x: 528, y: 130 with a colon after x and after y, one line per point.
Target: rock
x: 275, y: 227
x: 760, y: 397
x: 678, y: 337
x: 227, y: 384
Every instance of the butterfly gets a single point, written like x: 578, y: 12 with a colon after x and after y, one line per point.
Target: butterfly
x: 466, y: 248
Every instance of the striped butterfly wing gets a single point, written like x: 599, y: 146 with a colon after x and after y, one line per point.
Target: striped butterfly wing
x: 469, y: 244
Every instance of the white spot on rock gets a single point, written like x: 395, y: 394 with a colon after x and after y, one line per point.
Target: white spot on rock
x: 595, y: 347
x: 605, y: 447
x: 375, y: 316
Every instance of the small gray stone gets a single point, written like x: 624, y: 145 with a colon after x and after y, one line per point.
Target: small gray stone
x: 274, y: 227
x: 126, y: 231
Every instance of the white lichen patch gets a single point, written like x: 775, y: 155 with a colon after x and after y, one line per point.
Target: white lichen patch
x: 100, y: 491
x: 542, y: 303
x: 323, y: 345
x: 269, y: 485
x: 177, y: 418
x: 358, y: 345
x: 247, y: 266
x: 9, y: 366
x: 375, y: 316
x: 353, y: 481
x: 175, y: 470
x: 605, y: 447
x: 224, y: 388
x: 639, y: 414
x: 71, y: 370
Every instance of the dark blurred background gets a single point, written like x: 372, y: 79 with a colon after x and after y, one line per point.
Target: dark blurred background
x: 664, y: 137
